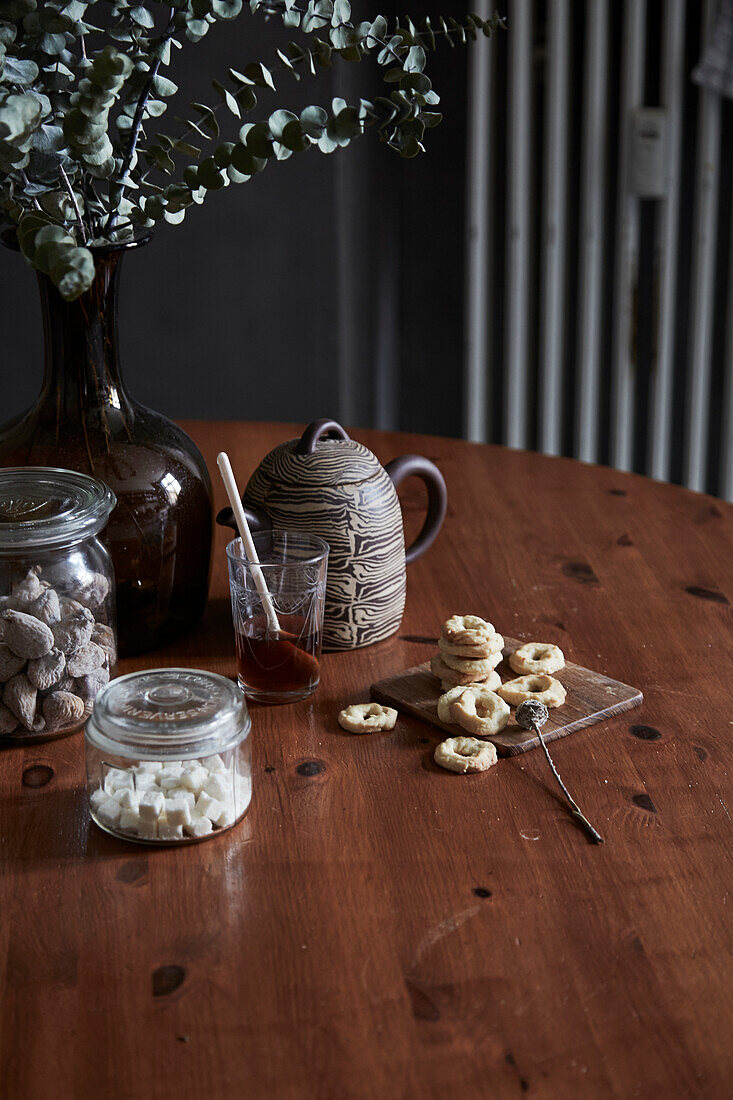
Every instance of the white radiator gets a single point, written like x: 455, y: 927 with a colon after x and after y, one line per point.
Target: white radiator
x: 599, y: 321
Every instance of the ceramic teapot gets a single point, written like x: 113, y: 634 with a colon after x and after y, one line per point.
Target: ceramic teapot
x: 332, y: 486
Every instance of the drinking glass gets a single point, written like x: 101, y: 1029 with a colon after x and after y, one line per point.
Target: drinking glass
x: 279, y: 665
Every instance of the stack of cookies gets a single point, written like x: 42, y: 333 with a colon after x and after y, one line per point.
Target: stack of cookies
x: 469, y: 649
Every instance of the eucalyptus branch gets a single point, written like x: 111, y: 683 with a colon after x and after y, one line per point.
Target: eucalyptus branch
x: 27, y: 182
x: 118, y: 188
x: 75, y: 204
x: 193, y: 128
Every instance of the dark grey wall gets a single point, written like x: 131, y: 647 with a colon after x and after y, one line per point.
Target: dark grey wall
x: 329, y: 285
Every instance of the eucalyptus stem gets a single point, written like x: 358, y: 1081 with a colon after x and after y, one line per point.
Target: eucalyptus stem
x: 75, y: 204
x: 118, y: 189
x: 27, y: 183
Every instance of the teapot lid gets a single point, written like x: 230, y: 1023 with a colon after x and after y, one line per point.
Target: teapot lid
x: 315, y: 460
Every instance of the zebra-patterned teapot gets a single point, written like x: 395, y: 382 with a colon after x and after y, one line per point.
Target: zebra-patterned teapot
x: 332, y: 486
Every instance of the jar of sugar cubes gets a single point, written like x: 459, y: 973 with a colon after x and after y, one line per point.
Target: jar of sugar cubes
x: 168, y: 756
x: 58, y: 638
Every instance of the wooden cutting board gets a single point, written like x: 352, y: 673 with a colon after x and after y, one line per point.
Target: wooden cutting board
x: 591, y: 698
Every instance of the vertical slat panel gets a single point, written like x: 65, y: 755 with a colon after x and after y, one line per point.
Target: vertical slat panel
x: 627, y: 244
x: 519, y: 125
x: 477, y: 365
x: 673, y: 81
x: 554, y: 227
x: 593, y: 178
x: 703, y: 276
x: 726, y: 442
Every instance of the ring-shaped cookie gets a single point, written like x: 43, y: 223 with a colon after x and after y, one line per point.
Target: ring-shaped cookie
x: 465, y: 754
x: 537, y: 658
x: 451, y: 676
x: 467, y: 630
x: 545, y: 689
x: 477, y: 668
x: 492, y: 683
x: 480, y: 711
x: 367, y: 717
x: 448, y: 685
x: 472, y: 652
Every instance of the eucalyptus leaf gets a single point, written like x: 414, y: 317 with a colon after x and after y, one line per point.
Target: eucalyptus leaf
x: 415, y: 60
x: 142, y: 17
x: 314, y: 121
x: 18, y: 71
x: 226, y: 9
x: 259, y: 140
x: 209, y: 175
x: 341, y: 12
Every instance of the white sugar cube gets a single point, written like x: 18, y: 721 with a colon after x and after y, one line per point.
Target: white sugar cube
x: 117, y: 779
x: 129, y: 820
x: 194, y: 778
x: 219, y: 786
x: 207, y: 806
x: 151, y: 766
x: 129, y: 800
x: 225, y: 815
x: 148, y: 830
x: 145, y: 781
x: 177, y: 811
x: 109, y: 813
x: 169, y: 782
x: 214, y: 764
x: 181, y: 792
x: 198, y: 826
x: 151, y: 805
x: 171, y: 770
x: 97, y: 798
x: 170, y: 832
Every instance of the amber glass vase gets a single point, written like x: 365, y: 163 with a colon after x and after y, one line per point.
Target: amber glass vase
x: 159, y: 535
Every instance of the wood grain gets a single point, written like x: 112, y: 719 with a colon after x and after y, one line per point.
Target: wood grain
x: 591, y: 698
x: 380, y: 928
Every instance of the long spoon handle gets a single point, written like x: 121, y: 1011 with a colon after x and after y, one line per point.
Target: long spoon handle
x: 230, y: 484
x: 574, y: 807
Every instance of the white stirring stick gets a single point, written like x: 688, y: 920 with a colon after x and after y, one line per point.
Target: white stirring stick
x: 227, y: 476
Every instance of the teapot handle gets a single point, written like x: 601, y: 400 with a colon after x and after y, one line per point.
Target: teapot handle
x: 407, y: 466
x: 315, y: 431
x: 257, y: 519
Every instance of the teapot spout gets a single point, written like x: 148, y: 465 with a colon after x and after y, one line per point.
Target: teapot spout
x: 256, y: 519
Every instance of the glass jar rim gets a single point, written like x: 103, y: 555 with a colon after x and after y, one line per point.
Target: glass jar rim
x: 163, y: 712
x: 45, y: 506
x: 319, y: 548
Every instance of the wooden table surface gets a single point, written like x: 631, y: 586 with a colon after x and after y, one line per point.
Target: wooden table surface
x: 377, y: 927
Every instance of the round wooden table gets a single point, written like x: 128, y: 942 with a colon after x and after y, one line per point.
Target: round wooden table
x: 377, y: 927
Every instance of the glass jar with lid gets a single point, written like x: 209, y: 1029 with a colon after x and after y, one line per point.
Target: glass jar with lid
x: 168, y: 756
x: 58, y: 640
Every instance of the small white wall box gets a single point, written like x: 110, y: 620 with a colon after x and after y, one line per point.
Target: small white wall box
x: 648, y: 160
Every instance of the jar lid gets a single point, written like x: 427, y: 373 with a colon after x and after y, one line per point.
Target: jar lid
x: 169, y: 711
x: 42, y: 507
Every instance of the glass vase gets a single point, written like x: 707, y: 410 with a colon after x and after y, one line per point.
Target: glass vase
x: 159, y: 535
